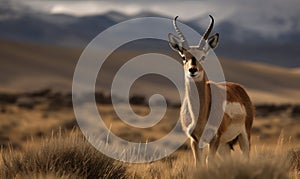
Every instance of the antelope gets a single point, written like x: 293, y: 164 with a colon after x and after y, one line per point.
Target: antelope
x: 237, y: 108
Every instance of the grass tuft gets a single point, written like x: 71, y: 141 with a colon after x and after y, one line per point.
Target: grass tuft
x: 64, y: 157
x: 294, y: 156
x: 242, y: 168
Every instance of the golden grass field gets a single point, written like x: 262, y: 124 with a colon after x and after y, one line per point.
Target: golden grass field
x: 39, y: 137
x: 45, y: 143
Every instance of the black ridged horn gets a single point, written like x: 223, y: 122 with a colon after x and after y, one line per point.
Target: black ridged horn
x: 179, y: 33
x: 209, y: 29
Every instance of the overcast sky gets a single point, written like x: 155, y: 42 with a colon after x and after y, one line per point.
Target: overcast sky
x: 186, y: 9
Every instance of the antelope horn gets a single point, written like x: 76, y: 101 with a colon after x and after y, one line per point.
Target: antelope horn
x: 209, y: 29
x: 179, y: 33
x: 177, y: 30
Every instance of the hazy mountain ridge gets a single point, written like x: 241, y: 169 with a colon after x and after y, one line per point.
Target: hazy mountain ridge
x: 235, y: 41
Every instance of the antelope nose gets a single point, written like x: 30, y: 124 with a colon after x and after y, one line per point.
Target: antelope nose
x: 193, y: 70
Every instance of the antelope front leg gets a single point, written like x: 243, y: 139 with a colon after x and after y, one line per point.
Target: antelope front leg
x: 197, y: 153
x: 194, y: 146
x: 213, y: 147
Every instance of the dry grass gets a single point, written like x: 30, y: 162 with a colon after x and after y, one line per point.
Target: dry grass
x: 59, y: 156
x: 70, y: 156
x: 264, y: 163
x: 276, y: 161
x: 294, y: 156
x: 74, y: 157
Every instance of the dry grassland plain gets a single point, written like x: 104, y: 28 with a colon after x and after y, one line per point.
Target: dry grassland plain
x: 39, y: 136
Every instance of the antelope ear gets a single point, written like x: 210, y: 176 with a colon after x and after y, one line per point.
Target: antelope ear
x: 175, y: 43
x: 213, y: 41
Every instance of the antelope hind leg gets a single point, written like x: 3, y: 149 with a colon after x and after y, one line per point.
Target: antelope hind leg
x: 244, y: 143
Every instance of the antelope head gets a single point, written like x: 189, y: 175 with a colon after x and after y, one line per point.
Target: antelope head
x: 193, y: 55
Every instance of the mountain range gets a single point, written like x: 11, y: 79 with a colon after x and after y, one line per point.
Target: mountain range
x: 236, y: 41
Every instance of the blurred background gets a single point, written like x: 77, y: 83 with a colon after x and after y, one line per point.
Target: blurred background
x: 42, y: 40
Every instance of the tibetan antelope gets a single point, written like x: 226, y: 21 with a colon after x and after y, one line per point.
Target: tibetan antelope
x: 237, y: 109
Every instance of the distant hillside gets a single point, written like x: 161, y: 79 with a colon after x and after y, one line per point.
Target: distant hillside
x: 28, y: 67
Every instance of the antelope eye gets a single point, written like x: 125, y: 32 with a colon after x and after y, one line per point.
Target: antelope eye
x: 202, y: 58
